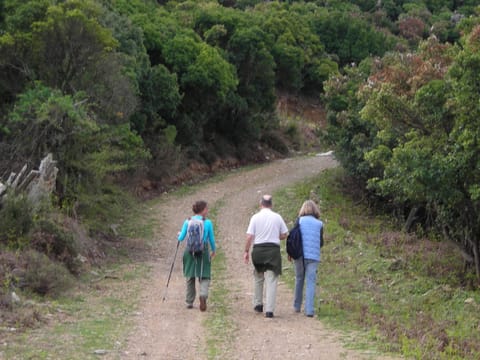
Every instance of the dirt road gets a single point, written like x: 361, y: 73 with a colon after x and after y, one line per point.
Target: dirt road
x: 167, y: 330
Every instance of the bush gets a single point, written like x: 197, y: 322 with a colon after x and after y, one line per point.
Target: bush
x: 44, y: 276
x: 52, y: 240
x: 275, y: 141
x: 8, y: 264
x: 167, y: 160
x: 18, y: 315
x: 16, y: 221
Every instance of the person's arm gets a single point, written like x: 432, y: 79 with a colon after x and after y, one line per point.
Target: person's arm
x: 321, y: 236
x: 211, y: 237
x: 283, y: 231
x: 183, y: 232
x: 248, y: 244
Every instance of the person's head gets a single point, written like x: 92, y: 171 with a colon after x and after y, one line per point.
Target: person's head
x: 266, y: 201
x: 309, y: 208
x: 199, y: 207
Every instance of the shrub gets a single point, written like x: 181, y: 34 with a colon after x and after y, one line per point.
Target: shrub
x: 16, y: 221
x: 52, y: 240
x: 167, y: 160
x: 44, y: 276
x: 275, y: 141
x: 13, y: 314
x: 8, y: 261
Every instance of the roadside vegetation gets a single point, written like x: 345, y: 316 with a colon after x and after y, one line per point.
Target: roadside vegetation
x: 135, y: 97
x: 86, y: 319
x: 406, y: 293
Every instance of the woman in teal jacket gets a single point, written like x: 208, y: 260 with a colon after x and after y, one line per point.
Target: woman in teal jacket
x: 198, y: 266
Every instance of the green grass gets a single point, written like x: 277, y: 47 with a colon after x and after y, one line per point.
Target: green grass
x: 219, y: 328
x: 402, y: 293
x: 86, y: 321
x: 398, y: 292
x: 97, y: 315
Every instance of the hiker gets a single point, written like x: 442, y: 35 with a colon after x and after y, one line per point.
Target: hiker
x: 311, y: 228
x: 265, y: 230
x: 197, y: 263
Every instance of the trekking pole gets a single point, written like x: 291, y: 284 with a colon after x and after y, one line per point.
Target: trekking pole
x: 171, y: 269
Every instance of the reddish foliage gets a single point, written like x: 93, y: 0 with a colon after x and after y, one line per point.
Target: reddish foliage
x: 411, y: 28
x: 474, y: 38
x: 408, y: 72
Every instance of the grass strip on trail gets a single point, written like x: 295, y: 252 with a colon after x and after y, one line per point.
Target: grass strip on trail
x: 219, y: 328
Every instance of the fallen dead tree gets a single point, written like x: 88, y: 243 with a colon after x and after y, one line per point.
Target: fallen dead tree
x: 35, y: 184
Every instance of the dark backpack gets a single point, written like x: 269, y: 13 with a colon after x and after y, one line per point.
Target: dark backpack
x: 294, y: 242
x: 195, y: 236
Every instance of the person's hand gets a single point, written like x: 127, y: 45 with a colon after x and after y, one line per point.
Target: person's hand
x: 289, y: 258
x: 212, y: 255
x: 245, y: 257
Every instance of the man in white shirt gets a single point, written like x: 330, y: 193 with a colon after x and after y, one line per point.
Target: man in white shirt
x: 265, y: 230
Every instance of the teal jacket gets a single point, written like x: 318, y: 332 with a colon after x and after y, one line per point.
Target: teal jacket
x: 208, y: 235
x: 199, y: 267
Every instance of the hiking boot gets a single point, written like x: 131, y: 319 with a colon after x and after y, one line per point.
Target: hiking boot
x: 203, y: 303
x: 269, y: 314
x: 258, y: 308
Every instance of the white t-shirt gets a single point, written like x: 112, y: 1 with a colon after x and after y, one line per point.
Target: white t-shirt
x: 266, y: 226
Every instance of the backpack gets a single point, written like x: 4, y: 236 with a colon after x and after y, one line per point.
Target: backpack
x: 294, y: 242
x: 195, y: 236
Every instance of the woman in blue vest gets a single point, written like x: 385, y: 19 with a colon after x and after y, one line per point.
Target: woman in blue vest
x: 306, y: 267
x: 198, y: 266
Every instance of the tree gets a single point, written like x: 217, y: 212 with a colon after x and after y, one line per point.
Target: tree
x: 290, y: 62
x: 160, y: 97
x: 465, y: 154
x: 248, y: 48
x: 205, y: 80
x: 15, y: 47
x: 72, y: 51
x: 2, y: 16
x: 349, y: 133
x: 19, y: 15
x: 406, y: 101
x: 210, y: 74
x: 181, y: 51
x: 412, y: 29
x: 46, y: 121
x: 350, y: 37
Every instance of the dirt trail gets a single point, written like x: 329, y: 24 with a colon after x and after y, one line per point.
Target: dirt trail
x: 161, y: 330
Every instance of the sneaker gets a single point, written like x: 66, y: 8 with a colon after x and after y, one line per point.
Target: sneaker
x: 258, y: 308
x: 269, y: 314
x: 309, y: 315
x: 189, y: 306
x: 203, y: 303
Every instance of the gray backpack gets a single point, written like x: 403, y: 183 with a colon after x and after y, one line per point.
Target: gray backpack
x: 195, y: 236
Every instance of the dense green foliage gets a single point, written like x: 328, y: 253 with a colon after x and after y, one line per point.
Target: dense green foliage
x: 116, y: 89
x: 120, y: 90
x: 407, y: 125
